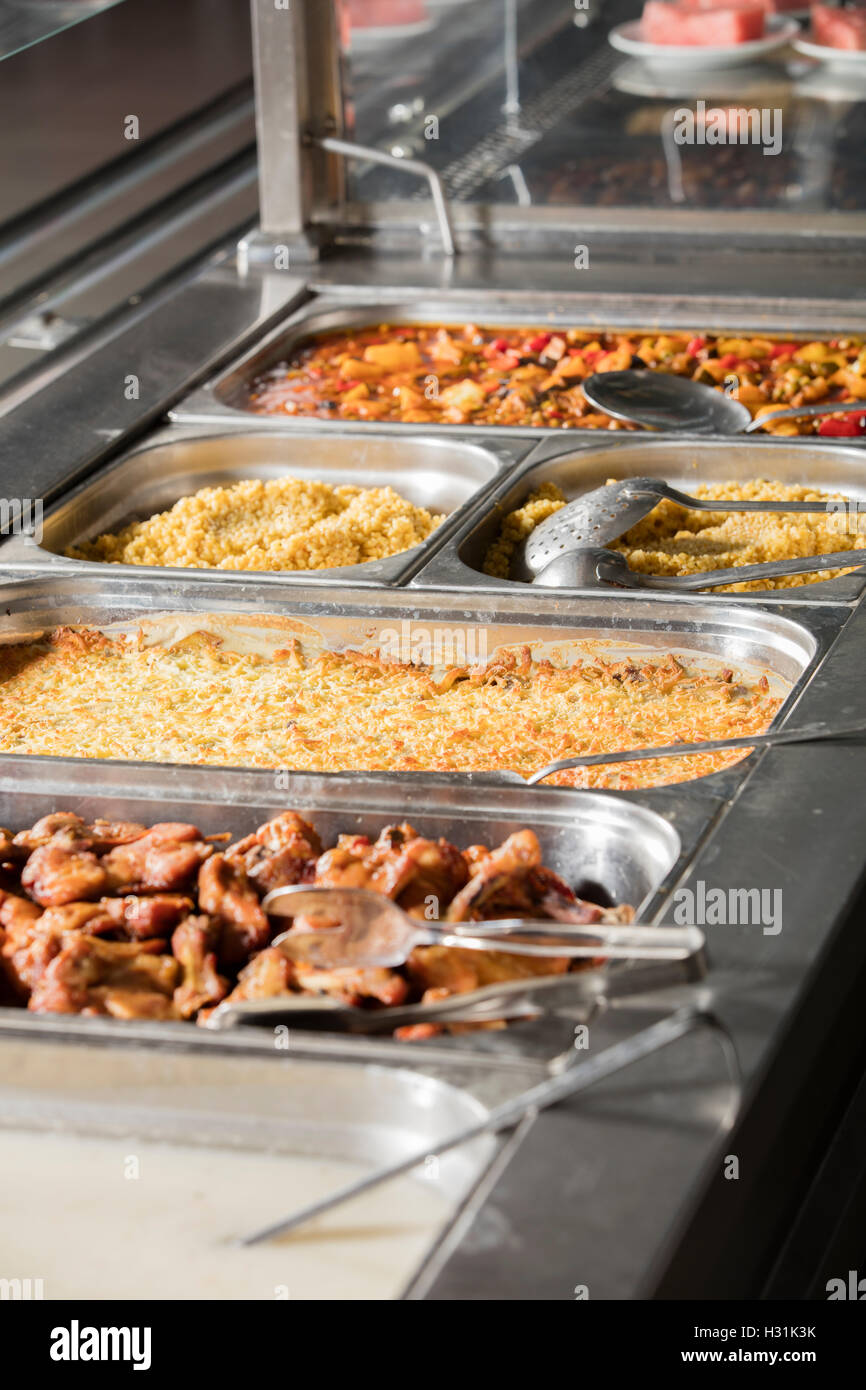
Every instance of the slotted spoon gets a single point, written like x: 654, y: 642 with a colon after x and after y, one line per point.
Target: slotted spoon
x: 606, y: 513
x: 590, y: 566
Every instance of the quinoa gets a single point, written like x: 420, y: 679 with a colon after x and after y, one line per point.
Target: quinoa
x: 674, y: 540
x: 278, y: 524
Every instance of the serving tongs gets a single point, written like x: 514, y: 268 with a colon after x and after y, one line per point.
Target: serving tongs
x: 517, y: 1112
x: 590, y: 566
x: 808, y: 733
x: 374, y: 931
x: 507, y: 1000
x: 567, y: 549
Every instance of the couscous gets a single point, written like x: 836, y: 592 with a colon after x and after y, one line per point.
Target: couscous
x: 676, y: 540
x: 278, y: 524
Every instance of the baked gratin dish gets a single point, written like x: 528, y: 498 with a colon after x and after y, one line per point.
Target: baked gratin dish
x: 264, y: 692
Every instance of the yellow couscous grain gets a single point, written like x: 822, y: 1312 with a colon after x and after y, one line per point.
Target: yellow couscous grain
x: 674, y: 540
x: 278, y: 524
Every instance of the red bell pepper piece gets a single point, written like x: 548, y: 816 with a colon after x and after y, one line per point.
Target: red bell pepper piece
x: 850, y: 425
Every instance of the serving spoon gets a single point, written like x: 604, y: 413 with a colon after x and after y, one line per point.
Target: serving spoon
x: 663, y: 401
x: 374, y: 931
x: 809, y: 733
x: 605, y: 513
x: 590, y: 566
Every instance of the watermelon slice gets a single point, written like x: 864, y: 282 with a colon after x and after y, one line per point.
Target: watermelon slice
x: 719, y: 28
x: 769, y: 6
x: 374, y: 14
x: 839, y: 28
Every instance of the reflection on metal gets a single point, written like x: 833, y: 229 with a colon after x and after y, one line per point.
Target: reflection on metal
x: 673, y: 158
x: 521, y: 188
x: 348, y: 150
x: 512, y: 60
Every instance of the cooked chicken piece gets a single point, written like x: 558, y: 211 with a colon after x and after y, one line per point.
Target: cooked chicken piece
x: 133, y: 1003
x: 166, y: 858
x: 193, y: 946
x: 225, y: 892
x: 31, y: 945
x: 511, y: 861
x: 124, y: 979
x: 282, y: 852
x: 351, y: 863
x: 400, y: 864
x: 353, y: 986
x: 475, y: 857
x: 437, y: 872
x: 17, y: 912
x: 141, y: 918
x: 100, y: 836
x: 553, y: 898
x: 268, y: 974
x: 18, y: 932
x: 108, y: 834
x: 442, y: 970
x: 44, y: 830
x: 456, y: 971
x: 55, y: 874
x: 7, y: 846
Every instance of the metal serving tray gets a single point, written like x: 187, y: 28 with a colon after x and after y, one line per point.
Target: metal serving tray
x: 322, y: 1108
x: 443, y: 475
x: 223, y: 396
x: 578, y: 466
x: 785, y: 643
x: 195, y: 1103
x: 606, y: 846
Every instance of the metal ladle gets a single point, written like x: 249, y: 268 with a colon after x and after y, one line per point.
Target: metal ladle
x: 606, y: 513
x: 663, y: 401
x: 591, y: 566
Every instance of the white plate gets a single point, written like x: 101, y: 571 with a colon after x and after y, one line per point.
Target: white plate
x: 753, y: 82
x: 854, y: 59
x: 697, y: 57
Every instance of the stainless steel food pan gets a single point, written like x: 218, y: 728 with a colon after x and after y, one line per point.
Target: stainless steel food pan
x: 223, y: 397
x: 443, y: 476
x: 577, y: 468
x: 608, y: 847
x: 597, y: 842
x: 207, y: 1124
x: 748, y: 639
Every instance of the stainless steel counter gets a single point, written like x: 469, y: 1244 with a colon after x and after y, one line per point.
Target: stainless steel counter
x: 623, y: 1191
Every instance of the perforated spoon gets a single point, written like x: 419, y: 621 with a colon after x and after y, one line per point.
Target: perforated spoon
x: 663, y: 401
x: 591, y: 566
x: 606, y: 513
x: 374, y: 931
